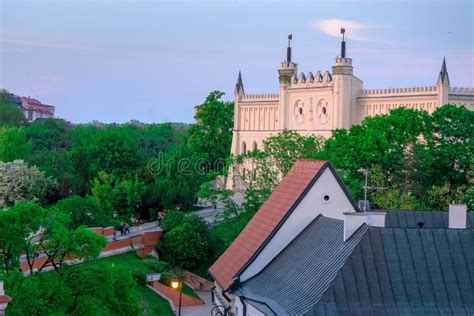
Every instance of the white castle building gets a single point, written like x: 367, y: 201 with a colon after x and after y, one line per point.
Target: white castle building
x: 317, y: 104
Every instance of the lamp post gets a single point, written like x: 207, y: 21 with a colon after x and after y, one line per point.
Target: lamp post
x: 177, y: 284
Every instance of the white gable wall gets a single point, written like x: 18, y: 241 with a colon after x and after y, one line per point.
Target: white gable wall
x: 309, y: 208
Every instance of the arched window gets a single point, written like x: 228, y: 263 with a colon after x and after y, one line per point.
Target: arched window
x: 244, y: 148
x: 254, y: 147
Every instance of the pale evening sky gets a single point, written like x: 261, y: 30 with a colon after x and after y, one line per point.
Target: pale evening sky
x: 153, y: 61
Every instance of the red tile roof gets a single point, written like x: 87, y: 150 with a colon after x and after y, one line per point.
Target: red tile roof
x: 264, y: 222
x: 37, y: 106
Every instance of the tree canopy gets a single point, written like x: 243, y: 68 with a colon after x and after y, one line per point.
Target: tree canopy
x: 10, y: 113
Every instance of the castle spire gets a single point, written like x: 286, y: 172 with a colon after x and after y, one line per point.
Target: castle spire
x: 239, y: 86
x: 443, y: 74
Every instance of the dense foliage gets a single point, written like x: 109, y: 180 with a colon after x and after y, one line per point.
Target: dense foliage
x: 415, y: 160
x: 98, y: 290
x: 186, y: 240
x: 114, y: 172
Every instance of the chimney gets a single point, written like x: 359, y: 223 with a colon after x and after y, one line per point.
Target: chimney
x: 4, y: 300
x: 354, y: 220
x: 457, y: 215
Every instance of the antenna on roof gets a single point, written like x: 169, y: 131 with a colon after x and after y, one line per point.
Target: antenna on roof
x: 364, y: 204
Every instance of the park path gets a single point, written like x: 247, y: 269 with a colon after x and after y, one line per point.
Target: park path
x: 209, y: 213
x: 200, y: 310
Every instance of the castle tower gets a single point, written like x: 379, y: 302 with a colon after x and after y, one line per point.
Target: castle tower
x: 443, y: 84
x: 286, y: 71
x: 346, y: 87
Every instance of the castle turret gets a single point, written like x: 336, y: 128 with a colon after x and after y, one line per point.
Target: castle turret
x: 287, y: 70
x: 443, y: 84
x: 343, y: 65
x: 346, y: 87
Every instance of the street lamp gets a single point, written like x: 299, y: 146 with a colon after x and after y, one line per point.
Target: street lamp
x: 177, y: 284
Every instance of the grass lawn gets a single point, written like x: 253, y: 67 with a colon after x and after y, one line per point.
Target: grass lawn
x: 155, y: 304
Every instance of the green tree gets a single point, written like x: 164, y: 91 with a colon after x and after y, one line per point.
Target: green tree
x: 61, y: 243
x: 51, y: 141
x: 97, y: 290
x: 185, y: 245
x: 288, y: 146
x: 176, y: 179
x: 47, y: 232
x: 172, y: 219
x: 83, y: 211
x: 259, y: 172
x: 13, y: 144
x: 113, y: 150
x: 394, y: 142
x: 452, y: 144
x: 112, y: 194
x: 10, y: 113
x: 211, y: 136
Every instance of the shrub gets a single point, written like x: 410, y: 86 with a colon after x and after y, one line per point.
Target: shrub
x: 184, y: 245
x: 172, y: 219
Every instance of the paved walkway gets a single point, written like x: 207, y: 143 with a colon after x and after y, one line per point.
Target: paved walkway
x: 201, y: 310
x: 209, y: 213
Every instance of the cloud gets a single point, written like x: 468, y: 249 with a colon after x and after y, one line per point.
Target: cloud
x: 332, y: 27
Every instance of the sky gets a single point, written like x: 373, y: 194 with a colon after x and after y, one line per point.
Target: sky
x: 153, y: 61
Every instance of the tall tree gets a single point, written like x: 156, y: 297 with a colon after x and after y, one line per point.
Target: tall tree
x: 211, y: 135
x: 452, y: 144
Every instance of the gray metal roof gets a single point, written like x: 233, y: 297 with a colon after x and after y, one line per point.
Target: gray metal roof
x: 430, y: 219
x: 297, y: 278
x: 405, y: 271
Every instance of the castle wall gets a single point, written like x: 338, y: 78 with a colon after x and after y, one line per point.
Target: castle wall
x: 462, y: 96
x: 381, y: 101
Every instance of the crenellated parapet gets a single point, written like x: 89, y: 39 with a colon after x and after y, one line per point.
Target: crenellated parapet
x: 461, y: 90
x: 261, y: 97
x: 398, y: 91
x: 310, y: 80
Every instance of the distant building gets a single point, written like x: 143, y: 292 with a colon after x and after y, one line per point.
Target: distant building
x: 310, y: 250
x: 33, y: 109
x: 318, y: 103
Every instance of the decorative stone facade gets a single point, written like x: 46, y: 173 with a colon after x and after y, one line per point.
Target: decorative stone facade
x: 317, y: 104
